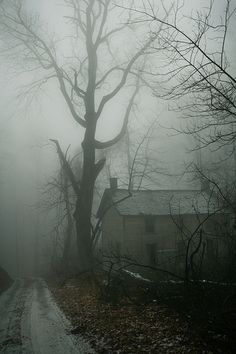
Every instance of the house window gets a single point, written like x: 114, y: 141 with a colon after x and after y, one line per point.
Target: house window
x: 211, y: 248
x: 181, y: 249
x: 118, y: 251
x: 151, y: 250
x: 149, y: 223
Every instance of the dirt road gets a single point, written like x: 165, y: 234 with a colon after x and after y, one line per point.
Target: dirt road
x: 31, y: 322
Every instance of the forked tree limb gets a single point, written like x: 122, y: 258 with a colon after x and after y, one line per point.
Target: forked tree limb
x: 65, y: 164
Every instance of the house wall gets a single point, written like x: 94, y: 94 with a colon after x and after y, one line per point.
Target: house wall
x: 129, y: 235
x: 137, y: 240
x: 112, y: 231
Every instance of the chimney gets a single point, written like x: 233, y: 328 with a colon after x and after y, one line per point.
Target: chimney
x: 113, y: 184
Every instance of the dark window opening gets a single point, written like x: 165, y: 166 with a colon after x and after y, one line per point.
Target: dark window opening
x: 181, y: 248
x: 149, y: 224
x: 152, y: 254
x: 118, y: 251
x: 211, y: 248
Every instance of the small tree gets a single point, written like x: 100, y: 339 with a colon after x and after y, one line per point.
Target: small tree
x: 59, y: 198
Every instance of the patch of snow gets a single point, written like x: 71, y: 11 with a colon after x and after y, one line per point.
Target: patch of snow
x: 137, y: 276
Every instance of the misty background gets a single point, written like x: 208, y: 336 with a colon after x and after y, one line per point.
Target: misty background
x: 28, y: 159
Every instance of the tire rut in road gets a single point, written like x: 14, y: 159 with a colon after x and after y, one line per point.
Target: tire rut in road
x: 11, y: 314
x: 32, y: 323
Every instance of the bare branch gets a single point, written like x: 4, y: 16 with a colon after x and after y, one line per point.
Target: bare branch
x: 67, y: 168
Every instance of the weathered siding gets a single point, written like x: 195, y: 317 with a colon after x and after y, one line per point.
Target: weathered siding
x: 128, y: 235
x: 112, y: 231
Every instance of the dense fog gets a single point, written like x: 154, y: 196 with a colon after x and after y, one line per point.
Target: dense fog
x: 30, y: 116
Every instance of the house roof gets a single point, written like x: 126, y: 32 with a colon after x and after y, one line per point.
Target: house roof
x: 158, y: 202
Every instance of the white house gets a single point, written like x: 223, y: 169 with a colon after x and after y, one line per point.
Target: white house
x: 154, y: 226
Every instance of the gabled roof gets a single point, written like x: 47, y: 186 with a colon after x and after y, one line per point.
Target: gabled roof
x: 158, y: 202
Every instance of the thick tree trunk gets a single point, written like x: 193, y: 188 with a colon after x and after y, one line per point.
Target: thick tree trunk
x: 69, y: 228
x: 85, y: 201
x: 67, y: 243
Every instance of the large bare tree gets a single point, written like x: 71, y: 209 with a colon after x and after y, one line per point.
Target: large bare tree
x: 90, y: 77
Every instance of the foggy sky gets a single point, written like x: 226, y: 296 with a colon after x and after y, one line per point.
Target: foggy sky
x: 27, y: 160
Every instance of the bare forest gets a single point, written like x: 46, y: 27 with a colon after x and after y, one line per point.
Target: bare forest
x: 118, y: 176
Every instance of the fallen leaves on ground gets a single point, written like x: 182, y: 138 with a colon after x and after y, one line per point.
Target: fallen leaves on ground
x: 127, y: 328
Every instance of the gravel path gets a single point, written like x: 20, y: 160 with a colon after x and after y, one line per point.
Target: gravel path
x: 31, y: 322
